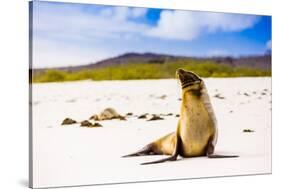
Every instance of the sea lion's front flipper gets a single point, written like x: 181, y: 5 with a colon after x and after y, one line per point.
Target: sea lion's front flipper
x: 172, y: 158
x: 211, y: 149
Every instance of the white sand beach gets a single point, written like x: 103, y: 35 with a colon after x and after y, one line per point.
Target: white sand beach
x: 74, y: 155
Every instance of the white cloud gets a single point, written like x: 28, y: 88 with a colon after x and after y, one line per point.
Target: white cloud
x: 71, y: 22
x: 138, y: 12
x: 176, y: 25
x: 269, y: 45
x: 184, y: 25
x: 61, y: 32
x: 68, y: 36
x: 123, y: 13
x: 50, y: 54
x: 107, y: 12
x: 229, y: 22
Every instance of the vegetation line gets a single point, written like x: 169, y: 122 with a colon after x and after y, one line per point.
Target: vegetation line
x: 148, y: 71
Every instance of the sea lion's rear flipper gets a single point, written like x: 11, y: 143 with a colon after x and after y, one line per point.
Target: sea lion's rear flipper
x: 210, y: 152
x: 147, y: 150
x: 173, y: 157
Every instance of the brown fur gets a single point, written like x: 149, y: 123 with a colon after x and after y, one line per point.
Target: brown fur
x: 196, y: 133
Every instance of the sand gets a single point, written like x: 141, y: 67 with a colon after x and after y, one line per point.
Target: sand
x: 74, y: 155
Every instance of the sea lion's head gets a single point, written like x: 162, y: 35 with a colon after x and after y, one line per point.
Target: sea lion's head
x: 190, y: 82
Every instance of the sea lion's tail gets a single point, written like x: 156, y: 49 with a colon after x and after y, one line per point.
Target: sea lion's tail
x: 222, y: 156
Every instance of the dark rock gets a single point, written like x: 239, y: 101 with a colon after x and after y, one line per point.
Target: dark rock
x: 246, y: 94
x: 129, y: 114
x: 97, y: 124
x: 162, y: 97
x: 122, y: 118
x: 68, y: 121
x: 155, y: 117
x: 177, y: 115
x: 86, y: 123
x: 248, y: 131
x: 143, y: 116
x: 168, y: 114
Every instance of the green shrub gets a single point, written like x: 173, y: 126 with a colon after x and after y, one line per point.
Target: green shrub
x: 139, y: 70
x: 51, y: 76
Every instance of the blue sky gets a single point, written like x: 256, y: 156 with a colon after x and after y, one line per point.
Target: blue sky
x: 68, y: 34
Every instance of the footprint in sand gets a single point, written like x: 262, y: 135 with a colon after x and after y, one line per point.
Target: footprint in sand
x: 219, y: 96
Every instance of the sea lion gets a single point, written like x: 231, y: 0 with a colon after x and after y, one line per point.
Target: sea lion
x: 196, y: 133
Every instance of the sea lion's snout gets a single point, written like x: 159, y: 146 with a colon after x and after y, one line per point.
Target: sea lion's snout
x: 187, y: 78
